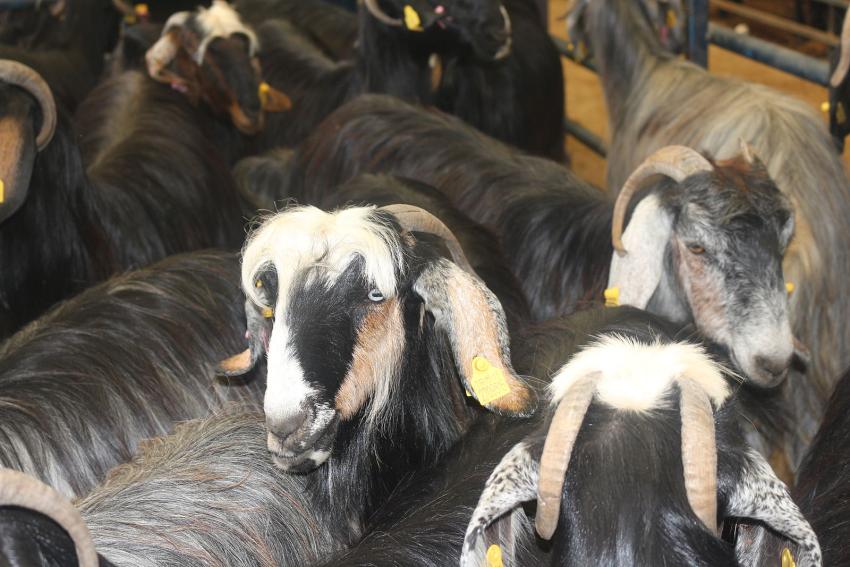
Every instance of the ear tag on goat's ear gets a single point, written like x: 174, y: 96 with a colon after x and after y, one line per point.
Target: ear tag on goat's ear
x: 789, y: 287
x: 612, y: 297
x: 268, y: 312
x: 2, y: 191
x: 487, y: 381
x: 788, y: 559
x: 494, y: 556
x: 412, y: 21
x: 672, y: 20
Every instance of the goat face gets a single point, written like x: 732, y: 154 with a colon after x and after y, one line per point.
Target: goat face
x: 210, y: 55
x: 348, y: 293
x: 666, y: 18
x: 711, y: 250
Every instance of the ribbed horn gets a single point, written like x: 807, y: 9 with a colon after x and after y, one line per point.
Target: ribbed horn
x: 844, y: 57
x: 418, y: 219
x: 677, y: 162
x: 22, y: 76
x: 557, y: 450
x: 380, y: 15
x: 505, y: 50
x: 699, y: 452
x: 18, y: 489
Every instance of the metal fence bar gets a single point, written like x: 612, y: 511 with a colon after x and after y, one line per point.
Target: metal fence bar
x: 698, y: 32
x: 568, y: 50
x: 782, y: 58
x: 776, y: 22
x: 586, y: 137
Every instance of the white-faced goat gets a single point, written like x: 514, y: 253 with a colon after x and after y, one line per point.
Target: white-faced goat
x: 639, y: 459
x: 655, y: 99
x: 121, y: 362
x: 487, y: 61
x: 703, y: 244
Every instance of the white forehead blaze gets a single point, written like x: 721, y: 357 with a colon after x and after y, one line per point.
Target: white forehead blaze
x: 286, y: 385
x: 303, y: 237
x: 635, y: 376
x: 219, y: 20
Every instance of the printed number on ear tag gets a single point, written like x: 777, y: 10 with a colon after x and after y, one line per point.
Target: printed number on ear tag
x: 412, y: 21
x: 494, y: 556
x: 487, y: 381
x: 788, y: 559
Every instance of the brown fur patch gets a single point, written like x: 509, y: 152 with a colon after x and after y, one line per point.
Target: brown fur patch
x: 236, y: 364
x: 703, y: 291
x: 377, y: 354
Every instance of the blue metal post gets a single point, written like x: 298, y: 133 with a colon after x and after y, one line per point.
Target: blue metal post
x: 698, y: 32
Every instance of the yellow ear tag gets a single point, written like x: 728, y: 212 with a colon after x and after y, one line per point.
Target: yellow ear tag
x: 258, y: 283
x: 2, y: 191
x: 263, y: 94
x: 487, y: 381
x: 612, y: 297
x: 672, y: 20
x: 789, y: 287
x: 824, y: 106
x: 788, y: 559
x: 268, y: 312
x: 411, y: 19
x: 494, y: 556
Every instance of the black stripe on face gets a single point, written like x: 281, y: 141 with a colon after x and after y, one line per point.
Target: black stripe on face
x: 323, y: 321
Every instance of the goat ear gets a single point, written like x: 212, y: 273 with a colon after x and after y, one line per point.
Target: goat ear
x: 637, y: 273
x: 474, y: 320
x: 513, y: 482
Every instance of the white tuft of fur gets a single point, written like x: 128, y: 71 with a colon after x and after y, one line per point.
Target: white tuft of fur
x: 221, y: 20
x: 306, y: 237
x: 635, y: 376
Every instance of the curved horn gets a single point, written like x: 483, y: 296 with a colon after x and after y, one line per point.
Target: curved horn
x: 677, y: 162
x: 22, y: 76
x: 417, y: 219
x: 557, y: 450
x: 18, y: 489
x: 380, y: 15
x: 844, y: 58
x: 699, y: 452
x: 505, y: 50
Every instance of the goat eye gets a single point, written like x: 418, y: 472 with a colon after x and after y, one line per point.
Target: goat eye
x: 696, y: 248
x: 376, y: 296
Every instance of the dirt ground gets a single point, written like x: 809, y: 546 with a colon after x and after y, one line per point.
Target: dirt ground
x: 586, y: 104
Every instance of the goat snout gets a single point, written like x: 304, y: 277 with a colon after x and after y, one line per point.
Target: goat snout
x: 287, y: 432
x: 774, y: 370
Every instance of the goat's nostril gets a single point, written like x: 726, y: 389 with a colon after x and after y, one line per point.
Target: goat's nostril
x: 283, y: 429
x: 775, y: 368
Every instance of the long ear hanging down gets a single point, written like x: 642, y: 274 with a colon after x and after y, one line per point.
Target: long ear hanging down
x: 636, y: 265
x: 163, y: 52
x: 473, y: 319
x: 23, y: 491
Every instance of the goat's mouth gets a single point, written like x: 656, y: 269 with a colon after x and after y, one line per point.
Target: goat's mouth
x: 765, y: 372
x: 304, y: 453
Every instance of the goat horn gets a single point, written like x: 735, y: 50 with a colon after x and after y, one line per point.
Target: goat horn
x: 24, y: 77
x: 844, y: 58
x: 557, y: 450
x: 380, y: 15
x: 699, y: 452
x: 417, y: 219
x: 21, y: 490
x: 505, y: 50
x: 677, y: 162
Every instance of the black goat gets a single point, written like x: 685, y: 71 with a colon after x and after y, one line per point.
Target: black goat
x: 655, y: 99
x: 156, y: 187
x: 120, y: 363
x: 691, y: 252
x: 331, y: 28
x: 66, y: 41
x: 446, y: 59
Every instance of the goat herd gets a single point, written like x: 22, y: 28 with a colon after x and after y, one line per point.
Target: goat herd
x: 444, y: 348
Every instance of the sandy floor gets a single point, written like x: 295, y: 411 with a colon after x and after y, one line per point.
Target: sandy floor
x: 586, y: 105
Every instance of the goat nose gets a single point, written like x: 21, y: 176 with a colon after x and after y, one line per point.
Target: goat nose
x: 285, y: 428
x: 777, y: 369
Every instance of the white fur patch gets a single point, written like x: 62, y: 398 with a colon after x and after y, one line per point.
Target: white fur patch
x: 304, y: 237
x: 635, y: 376
x: 219, y: 20
x: 286, y: 385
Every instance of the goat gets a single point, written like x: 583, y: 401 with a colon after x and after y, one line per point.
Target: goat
x: 821, y: 491
x: 670, y: 101
x: 65, y: 40
x: 156, y: 187
x: 491, y: 64
x: 639, y: 458
x: 331, y: 28
x: 121, y: 362
x: 690, y: 242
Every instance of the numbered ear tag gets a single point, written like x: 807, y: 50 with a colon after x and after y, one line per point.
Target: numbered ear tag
x: 494, y: 556
x: 412, y: 21
x: 488, y: 382
x: 612, y: 297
